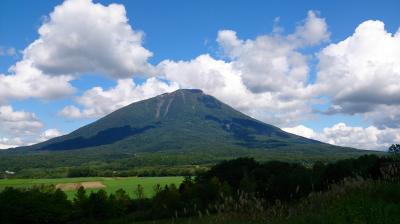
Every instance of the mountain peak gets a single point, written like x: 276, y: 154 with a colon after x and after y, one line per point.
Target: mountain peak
x: 194, y: 91
x: 197, y: 91
x: 180, y: 92
x: 183, y: 92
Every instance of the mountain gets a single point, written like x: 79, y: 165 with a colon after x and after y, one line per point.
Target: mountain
x: 186, y: 119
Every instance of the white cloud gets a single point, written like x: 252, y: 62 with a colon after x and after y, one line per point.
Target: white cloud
x: 80, y: 36
x: 361, y: 74
x: 267, y: 64
x: 25, y: 81
x: 204, y: 72
x: 98, y: 102
x: 358, y: 137
x: 370, y: 138
x: 6, y: 143
x: 33, y: 138
x: 71, y: 111
x: 49, y: 134
x: 273, y: 62
x: 18, y: 123
x: 302, y: 131
x: 312, y: 32
x: 19, y: 128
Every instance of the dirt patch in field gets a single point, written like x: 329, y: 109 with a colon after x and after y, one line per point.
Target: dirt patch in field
x: 76, y: 186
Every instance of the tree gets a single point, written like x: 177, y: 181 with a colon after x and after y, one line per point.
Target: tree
x: 167, y: 202
x: 157, y: 188
x: 98, y: 206
x: 139, y: 192
x: 395, y: 148
x: 123, y: 202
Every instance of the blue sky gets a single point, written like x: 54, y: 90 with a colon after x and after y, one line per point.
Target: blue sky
x: 176, y: 31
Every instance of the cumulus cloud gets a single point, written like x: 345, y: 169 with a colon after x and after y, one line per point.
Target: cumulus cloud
x: 313, y: 31
x: 18, y: 128
x: 32, y: 138
x: 49, y: 134
x: 25, y: 81
x: 18, y: 123
x: 97, y: 102
x: 6, y: 143
x: 370, y: 138
x: 80, y: 36
x: 361, y: 74
x: 267, y: 64
x: 302, y: 131
x: 71, y: 112
x: 358, y: 137
x: 273, y: 62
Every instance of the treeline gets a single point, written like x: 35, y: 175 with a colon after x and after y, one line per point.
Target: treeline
x: 261, y: 183
x: 84, y: 171
x: 99, y: 171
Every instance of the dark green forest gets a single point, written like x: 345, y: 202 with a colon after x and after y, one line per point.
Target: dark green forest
x: 242, y: 190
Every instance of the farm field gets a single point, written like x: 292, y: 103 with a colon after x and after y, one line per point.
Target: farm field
x: 110, y: 184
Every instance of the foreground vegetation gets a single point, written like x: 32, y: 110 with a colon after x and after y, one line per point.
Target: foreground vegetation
x: 362, y: 190
x: 353, y: 201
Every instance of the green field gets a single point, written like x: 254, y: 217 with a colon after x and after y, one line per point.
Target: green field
x: 129, y: 184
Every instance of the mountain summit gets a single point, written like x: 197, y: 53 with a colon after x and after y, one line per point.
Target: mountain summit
x: 186, y: 119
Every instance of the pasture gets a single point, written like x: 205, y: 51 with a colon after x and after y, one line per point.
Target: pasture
x: 109, y: 184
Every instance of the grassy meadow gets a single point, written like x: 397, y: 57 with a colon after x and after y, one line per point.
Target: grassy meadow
x: 112, y: 184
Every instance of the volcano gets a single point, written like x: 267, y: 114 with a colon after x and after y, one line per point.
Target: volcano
x: 187, y: 119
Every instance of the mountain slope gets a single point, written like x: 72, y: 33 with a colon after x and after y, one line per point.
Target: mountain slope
x: 178, y: 121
